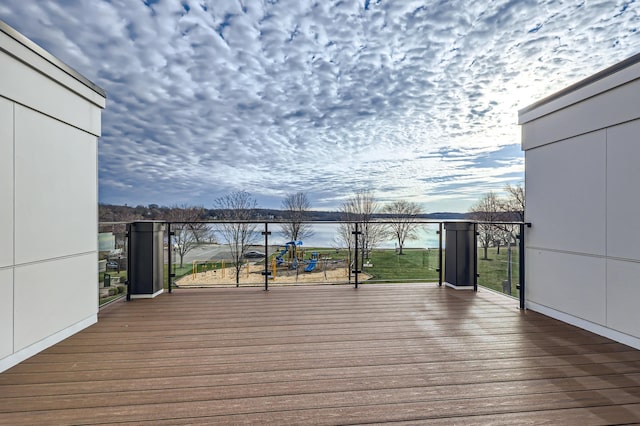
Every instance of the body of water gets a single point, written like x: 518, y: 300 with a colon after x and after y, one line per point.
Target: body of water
x: 326, y: 235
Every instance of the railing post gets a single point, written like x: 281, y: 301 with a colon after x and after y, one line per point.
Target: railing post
x: 266, y: 234
x: 170, y: 273
x: 521, y: 267
x: 355, y: 261
x: 440, y: 254
x: 475, y: 257
x: 128, y: 243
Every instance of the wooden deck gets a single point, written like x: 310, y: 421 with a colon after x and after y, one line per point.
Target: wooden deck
x: 414, y: 354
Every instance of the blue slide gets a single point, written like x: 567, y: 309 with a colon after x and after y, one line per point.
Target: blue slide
x: 279, y: 260
x: 311, y: 266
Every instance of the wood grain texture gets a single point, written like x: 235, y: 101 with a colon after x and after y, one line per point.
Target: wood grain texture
x: 413, y: 354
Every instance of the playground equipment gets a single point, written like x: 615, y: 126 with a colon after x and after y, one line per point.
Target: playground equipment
x: 291, y: 252
x: 206, y: 266
x: 311, y: 266
x: 312, y: 262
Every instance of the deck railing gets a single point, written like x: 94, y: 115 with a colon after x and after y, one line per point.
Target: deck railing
x: 260, y: 253
x: 328, y: 252
x: 500, y: 257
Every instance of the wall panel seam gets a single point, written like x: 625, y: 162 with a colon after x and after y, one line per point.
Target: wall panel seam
x: 576, y: 253
x: 57, y: 119
x: 13, y: 220
x: 54, y: 259
x: 606, y: 225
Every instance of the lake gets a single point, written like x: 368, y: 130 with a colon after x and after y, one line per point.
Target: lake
x: 324, y: 235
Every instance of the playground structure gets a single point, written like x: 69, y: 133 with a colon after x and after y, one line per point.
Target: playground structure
x: 312, y: 262
x: 290, y: 254
x: 319, y: 267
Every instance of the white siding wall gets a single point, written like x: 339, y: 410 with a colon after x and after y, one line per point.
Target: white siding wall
x: 49, y: 128
x: 6, y: 313
x: 6, y: 183
x: 583, y: 197
x: 67, y: 200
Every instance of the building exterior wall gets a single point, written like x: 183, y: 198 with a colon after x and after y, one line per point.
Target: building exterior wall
x: 582, y: 197
x: 49, y: 129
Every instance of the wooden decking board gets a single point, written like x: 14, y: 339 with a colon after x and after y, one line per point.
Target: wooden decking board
x: 325, y: 355
x: 329, y: 325
x: 173, y: 380
x: 327, y: 328
x: 425, y: 371
x: 395, y: 384
x: 183, y: 367
x: 461, y: 360
x: 342, y: 407
x: 339, y: 349
x: 257, y: 362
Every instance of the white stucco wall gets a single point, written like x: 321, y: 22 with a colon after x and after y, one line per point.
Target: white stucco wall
x: 582, y: 181
x: 49, y: 129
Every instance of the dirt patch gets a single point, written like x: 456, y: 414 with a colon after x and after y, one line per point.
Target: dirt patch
x: 336, y: 273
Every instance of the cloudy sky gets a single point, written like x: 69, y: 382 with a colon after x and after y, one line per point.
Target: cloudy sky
x: 414, y: 100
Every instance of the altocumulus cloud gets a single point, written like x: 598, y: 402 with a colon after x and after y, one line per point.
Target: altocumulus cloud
x: 413, y: 99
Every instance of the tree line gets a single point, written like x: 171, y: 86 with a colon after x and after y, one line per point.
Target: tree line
x: 491, y: 210
x: 238, y: 215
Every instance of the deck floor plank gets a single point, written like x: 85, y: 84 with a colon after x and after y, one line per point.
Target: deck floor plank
x: 414, y: 354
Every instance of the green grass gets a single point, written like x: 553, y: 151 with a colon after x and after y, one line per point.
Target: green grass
x: 326, y: 253
x: 493, y: 270
x: 121, y: 274
x: 413, y: 264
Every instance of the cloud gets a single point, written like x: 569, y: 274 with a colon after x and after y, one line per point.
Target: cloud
x: 412, y: 100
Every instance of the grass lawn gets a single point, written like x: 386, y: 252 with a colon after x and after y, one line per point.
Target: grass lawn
x: 412, y: 265
x: 493, y: 270
x: 388, y: 266
x: 421, y: 264
x: 121, y: 274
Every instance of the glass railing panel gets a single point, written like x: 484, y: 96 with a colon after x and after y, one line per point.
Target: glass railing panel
x: 319, y: 254
x: 498, y: 258
x: 112, y: 261
x: 204, y: 255
x: 217, y: 255
x: 414, y: 259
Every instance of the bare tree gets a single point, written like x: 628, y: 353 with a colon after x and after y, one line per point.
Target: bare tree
x: 236, y: 210
x: 495, y: 210
x: 514, y: 202
x: 487, y: 209
x: 186, y: 234
x: 297, y: 208
x: 361, y: 208
x: 510, y: 208
x: 404, y: 215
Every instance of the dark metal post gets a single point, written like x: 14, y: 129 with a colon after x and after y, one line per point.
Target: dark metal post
x: 266, y: 234
x: 128, y: 237
x: 521, y: 266
x: 355, y: 261
x: 440, y: 254
x: 475, y: 257
x: 169, y: 259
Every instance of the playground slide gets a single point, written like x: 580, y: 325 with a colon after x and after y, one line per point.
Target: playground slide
x: 311, y: 266
x: 279, y: 258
